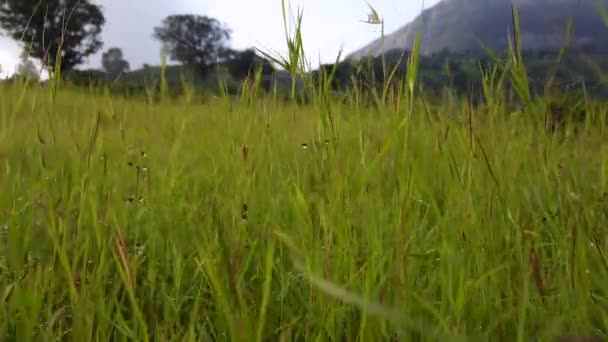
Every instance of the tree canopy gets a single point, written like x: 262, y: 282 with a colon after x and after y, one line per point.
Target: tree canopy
x: 244, y: 63
x: 194, y: 40
x: 64, y: 31
x: 113, y: 62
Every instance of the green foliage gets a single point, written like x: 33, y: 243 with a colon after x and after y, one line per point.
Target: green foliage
x: 182, y: 78
x: 295, y: 61
x: 461, y: 71
x: 255, y: 218
x: 209, y: 221
x: 194, y: 40
x: 245, y: 63
x: 519, y: 75
x: 57, y: 32
x: 113, y: 62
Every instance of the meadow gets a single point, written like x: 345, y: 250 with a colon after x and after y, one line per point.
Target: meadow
x: 252, y: 218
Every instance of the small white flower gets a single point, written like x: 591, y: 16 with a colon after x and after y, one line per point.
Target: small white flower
x: 139, y: 250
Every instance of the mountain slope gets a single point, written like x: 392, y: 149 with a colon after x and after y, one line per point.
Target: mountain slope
x: 458, y: 25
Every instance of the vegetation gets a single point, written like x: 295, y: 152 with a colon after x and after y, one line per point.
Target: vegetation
x: 193, y: 40
x: 113, y: 62
x: 460, y: 25
x: 382, y: 214
x: 571, y: 70
x: 57, y: 32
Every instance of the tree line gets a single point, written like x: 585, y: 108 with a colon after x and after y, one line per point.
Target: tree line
x: 61, y: 34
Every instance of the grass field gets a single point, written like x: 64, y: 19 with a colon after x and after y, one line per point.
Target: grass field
x: 254, y: 219
x: 174, y: 221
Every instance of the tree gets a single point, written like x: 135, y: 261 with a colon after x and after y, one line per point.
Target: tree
x: 194, y: 40
x: 64, y: 31
x: 113, y: 62
x: 244, y: 63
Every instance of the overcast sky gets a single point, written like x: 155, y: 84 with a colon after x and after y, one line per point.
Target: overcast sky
x: 328, y: 25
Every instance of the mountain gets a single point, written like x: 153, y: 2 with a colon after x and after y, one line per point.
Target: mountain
x: 459, y: 25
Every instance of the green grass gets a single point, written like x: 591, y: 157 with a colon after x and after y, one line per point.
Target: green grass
x: 259, y: 219
x: 373, y: 235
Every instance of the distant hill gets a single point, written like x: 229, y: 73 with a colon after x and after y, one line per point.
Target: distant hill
x: 456, y: 25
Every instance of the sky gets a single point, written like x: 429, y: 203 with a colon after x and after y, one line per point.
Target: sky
x: 328, y: 26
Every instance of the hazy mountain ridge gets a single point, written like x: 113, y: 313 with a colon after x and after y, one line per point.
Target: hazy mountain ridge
x: 458, y: 25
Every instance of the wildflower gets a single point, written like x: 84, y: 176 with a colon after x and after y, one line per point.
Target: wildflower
x: 140, y: 249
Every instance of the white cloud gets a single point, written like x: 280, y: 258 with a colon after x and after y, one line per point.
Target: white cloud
x: 9, y: 56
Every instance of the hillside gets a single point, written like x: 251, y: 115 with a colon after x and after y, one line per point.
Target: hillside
x: 458, y: 25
